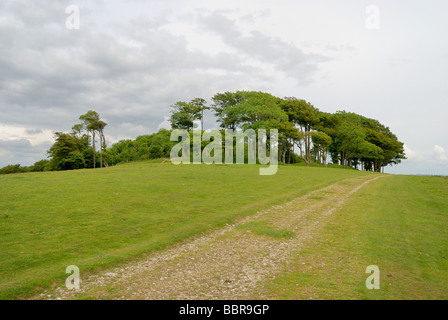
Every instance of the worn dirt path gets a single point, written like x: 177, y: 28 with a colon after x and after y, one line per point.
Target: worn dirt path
x: 227, y: 263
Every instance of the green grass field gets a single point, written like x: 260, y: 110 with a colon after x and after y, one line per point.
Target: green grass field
x: 98, y: 218
x: 398, y: 223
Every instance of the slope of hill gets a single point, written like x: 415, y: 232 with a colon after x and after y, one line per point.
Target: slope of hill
x: 211, y: 232
x: 97, y: 218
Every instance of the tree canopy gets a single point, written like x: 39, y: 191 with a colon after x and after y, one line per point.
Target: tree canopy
x: 347, y: 138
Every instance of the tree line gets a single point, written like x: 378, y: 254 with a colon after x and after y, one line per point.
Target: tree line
x: 350, y: 139
x: 347, y: 138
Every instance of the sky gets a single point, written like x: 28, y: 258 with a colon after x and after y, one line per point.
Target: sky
x: 131, y: 60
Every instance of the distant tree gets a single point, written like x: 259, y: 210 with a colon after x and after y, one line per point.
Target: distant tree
x: 201, y: 106
x: 258, y: 110
x: 184, y: 114
x: 93, y: 124
x: 99, y: 127
x: 39, y: 166
x: 123, y: 151
x: 321, y: 142
x: 357, y: 139
x: 67, y: 152
x: 13, y: 168
x: 288, y: 136
x: 223, y: 104
x: 88, y: 123
x: 349, y: 138
x: 154, y: 146
x: 392, y: 150
x: 78, y: 129
x: 306, y: 116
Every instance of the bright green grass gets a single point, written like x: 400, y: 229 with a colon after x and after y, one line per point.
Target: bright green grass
x: 96, y: 218
x: 399, y: 223
x: 263, y: 228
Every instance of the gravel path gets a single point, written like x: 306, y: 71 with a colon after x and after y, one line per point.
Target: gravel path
x: 226, y: 264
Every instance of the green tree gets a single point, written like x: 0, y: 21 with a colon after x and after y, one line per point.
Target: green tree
x: 321, y: 142
x: 258, y: 110
x: 357, y: 139
x: 39, y: 166
x: 67, y: 152
x: 183, y: 115
x: 306, y: 116
x: 223, y: 104
x: 88, y: 123
x: 392, y: 150
x: 201, y: 105
x: 13, y: 168
x: 288, y: 136
x: 154, y: 146
x: 93, y: 124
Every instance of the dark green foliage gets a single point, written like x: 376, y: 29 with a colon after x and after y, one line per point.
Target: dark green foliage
x: 94, y: 125
x: 42, y: 165
x: 13, y: 168
x: 223, y: 107
x: 183, y: 113
x: 360, y: 140
x: 154, y: 146
x: 352, y: 140
x: 39, y: 166
x: 67, y: 153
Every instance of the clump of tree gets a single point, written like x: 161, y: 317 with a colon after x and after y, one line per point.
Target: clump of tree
x: 146, y: 147
x: 69, y: 151
x: 77, y: 149
x: 361, y: 142
x: 303, y: 116
x: 94, y: 126
x: 183, y: 114
x: 39, y: 166
x: 13, y: 168
x: 351, y: 140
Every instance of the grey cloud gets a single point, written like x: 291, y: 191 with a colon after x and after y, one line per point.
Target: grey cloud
x: 130, y: 72
x: 14, y: 145
x: 34, y: 131
x: 21, y: 152
x: 271, y: 50
x: 97, y: 71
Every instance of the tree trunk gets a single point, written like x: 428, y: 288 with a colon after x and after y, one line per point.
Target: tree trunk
x: 102, y: 144
x: 309, y: 146
x: 202, y: 120
x: 289, y: 158
x: 94, y: 155
x: 101, y: 151
x: 324, y: 156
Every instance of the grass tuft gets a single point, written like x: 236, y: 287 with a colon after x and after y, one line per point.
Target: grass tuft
x: 262, y: 228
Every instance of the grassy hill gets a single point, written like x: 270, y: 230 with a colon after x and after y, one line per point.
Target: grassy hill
x: 100, y: 218
x: 398, y: 223
x: 95, y: 218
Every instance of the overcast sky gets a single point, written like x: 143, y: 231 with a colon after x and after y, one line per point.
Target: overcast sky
x: 130, y: 60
